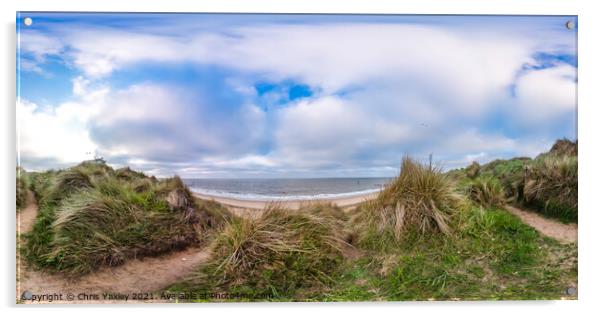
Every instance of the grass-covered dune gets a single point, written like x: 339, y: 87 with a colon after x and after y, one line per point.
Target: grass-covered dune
x: 428, y: 235
x: 278, y: 253
x: 91, y: 215
x: 423, y: 238
x: 547, y: 184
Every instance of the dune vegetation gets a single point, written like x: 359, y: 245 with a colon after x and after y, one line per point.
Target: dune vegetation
x: 91, y: 216
x: 421, y: 200
x: 276, y: 254
x: 21, y: 188
x: 428, y: 235
x: 547, y: 184
x: 487, y: 191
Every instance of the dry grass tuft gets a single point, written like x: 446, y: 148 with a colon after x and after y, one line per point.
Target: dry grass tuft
x: 281, y: 250
x: 551, y: 184
x: 564, y: 147
x: 473, y: 170
x: 421, y: 200
x: 487, y: 192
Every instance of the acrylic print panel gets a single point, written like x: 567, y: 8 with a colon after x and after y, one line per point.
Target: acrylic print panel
x: 260, y: 157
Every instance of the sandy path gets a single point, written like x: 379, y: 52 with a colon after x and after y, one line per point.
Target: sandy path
x: 565, y: 233
x: 147, y: 275
x: 27, y: 216
x: 25, y: 220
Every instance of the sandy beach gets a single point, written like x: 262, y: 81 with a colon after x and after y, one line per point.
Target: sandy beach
x: 343, y: 202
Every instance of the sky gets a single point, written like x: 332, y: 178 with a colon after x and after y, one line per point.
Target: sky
x: 260, y: 95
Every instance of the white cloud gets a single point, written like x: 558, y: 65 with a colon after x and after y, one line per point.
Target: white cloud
x: 30, y: 65
x: 331, y: 130
x: 39, y: 45
x: 144, y: 122
x: 381, y: 90
x: 472, y: 145
x: 546, y: 94
x: 58, y: 134
x: 466, y: 69
x: 468, y: 66
x: 90, y: 51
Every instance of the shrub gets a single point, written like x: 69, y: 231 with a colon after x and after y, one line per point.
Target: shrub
x: 487, y: 191
x: 278, y: 252
x: 422, y: 199
x: 551, y: 186
x: 473, y: 170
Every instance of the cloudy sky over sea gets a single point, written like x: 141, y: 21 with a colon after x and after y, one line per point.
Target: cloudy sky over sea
x: 209, y: 95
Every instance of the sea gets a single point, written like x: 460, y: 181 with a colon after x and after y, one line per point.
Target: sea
x: 287, y: 189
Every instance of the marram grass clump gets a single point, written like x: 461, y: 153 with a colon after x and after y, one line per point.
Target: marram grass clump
x: 21, y: 188
x: 277, y: 253
x: 473, y: 170
x: 551, y: 186
x: 94, y: 229
x: 90, y: 217
x: 510, y: 174
x: 487, y: 192
x: 40, y: 183
x: 422, y: 200
x: 564, y: 147
x: 126, y: 173
x: 67, y: 182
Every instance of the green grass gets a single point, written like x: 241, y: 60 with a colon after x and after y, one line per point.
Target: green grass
x: 91, y: 216
x: 510, y: 174
x: 493, y: 257
x: 40, y: 183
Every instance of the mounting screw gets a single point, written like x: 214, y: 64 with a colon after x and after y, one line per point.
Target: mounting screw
x: 571, y: 291
x: 570, y: 24
x: 26, y: 295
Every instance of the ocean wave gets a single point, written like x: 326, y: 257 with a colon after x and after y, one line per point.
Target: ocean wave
x: 263, y: 197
